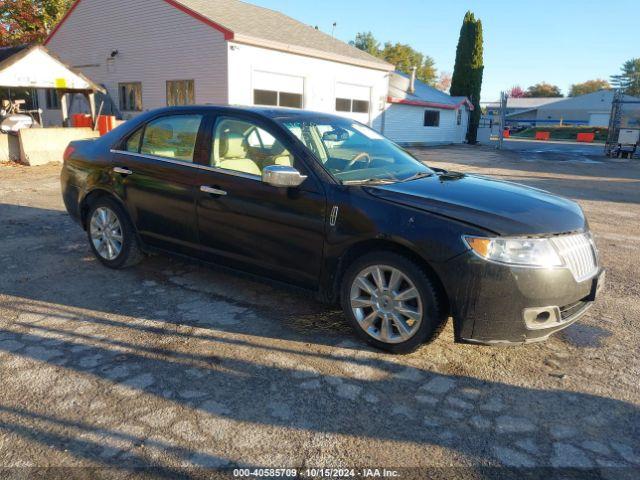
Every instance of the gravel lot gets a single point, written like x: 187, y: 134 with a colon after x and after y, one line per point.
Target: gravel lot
x: 173, y: 365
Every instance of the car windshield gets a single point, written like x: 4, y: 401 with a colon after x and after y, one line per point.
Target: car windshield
x: 353, y: 153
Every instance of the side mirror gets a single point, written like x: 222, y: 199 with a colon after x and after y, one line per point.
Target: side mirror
x: 282, y: 176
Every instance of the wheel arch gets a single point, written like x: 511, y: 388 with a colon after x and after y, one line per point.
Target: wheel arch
x: 92, y: 196
x: 358, y: 249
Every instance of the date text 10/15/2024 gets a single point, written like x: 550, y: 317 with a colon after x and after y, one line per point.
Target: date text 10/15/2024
x: 315, y: 473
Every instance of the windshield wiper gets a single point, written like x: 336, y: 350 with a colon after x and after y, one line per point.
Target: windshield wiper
x: 369, y: 181
x: 417, y: 176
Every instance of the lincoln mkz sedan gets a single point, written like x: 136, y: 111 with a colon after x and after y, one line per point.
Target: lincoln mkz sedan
x: 332, y: 206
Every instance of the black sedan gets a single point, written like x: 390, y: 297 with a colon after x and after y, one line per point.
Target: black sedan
x: 330, y: 205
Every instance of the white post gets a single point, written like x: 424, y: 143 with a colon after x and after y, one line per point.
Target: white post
x: 64, y: 107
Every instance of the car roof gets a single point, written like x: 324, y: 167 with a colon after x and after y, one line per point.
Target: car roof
x: 275, y: 113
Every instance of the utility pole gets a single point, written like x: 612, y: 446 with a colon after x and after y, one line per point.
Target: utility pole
x: 615, y: 118
x: 503, y: 118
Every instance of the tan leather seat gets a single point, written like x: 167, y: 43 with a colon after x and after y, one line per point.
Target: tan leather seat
x: 233, y: 155
x: 282, y: 157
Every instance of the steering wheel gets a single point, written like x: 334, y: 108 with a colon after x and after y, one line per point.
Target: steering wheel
x: 360, y: 157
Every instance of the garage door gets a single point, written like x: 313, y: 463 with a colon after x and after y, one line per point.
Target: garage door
x: 277, y: 89
x: 353, y: 101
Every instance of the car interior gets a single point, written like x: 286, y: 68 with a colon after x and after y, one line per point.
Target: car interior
x: 346, y: 154
x: 243, y: 147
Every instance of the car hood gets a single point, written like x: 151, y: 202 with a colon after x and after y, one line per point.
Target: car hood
x: 504, y: 208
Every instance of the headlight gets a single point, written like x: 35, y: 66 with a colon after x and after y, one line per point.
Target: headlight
x: 532, y: 252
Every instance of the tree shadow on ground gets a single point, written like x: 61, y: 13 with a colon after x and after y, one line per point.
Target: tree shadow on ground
x: 364, y: 397
x: 239, y: 358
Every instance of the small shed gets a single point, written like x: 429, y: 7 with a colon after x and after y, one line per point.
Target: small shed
x: 417, y: 114
x: 35, y: 67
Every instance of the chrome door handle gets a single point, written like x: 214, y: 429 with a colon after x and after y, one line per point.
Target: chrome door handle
x: 212, y: 191
x: 122, y: 171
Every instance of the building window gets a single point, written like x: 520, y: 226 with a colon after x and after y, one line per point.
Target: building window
x: 431, y: 118
x: 265, y: 97
x: 180, y: 92
x: 130, y: 97
x: 459, y: 117
x: 352, y: 106
x: 343, y: 105
x: 290, y: 100
x: 360, y: 106
x: 53, y: 99
x: 277, y: 99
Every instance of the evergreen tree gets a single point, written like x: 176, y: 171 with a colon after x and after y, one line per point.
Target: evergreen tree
x: 629, y: 79
x: 469, y: 69
x: 367, y: 42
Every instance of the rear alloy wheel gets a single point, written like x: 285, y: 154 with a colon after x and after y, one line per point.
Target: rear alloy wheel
x: 106, y: 233
x: 392, y: 302
x: 111, y: 234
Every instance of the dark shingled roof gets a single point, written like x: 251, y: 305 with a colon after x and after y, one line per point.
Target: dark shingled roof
x: 264, y: 27
x: 8, y: 52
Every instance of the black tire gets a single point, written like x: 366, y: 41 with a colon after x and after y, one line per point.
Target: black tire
x: 433, y: 318
x: 130, y: 253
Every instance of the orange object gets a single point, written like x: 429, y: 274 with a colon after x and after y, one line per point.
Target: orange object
x: 81, y: 120
x: 106, y: 123
x: 543, y: 135
x: 506, y: 133
x: 586, y: 137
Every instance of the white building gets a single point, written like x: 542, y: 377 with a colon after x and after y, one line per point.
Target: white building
x: 591, y: 109
x: 153, y: 53
x: 516, y: 105
x: 417, y: 114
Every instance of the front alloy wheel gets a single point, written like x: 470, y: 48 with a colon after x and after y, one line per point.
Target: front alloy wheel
x: 386, y: 304
x: 393, y: 302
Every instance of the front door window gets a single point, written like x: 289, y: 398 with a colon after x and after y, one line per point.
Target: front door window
x: 244, y: 147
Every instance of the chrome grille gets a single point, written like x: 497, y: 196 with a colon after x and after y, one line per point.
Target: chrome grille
x: 579, y: 254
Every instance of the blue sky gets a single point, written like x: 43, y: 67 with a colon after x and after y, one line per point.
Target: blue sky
x: 560, y: 42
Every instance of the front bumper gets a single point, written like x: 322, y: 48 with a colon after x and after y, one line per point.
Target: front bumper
x: 490, y: 302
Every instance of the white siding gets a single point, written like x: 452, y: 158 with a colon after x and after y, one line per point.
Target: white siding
x: 404, y: 124
x: 320, y: 78
x: 156, y: 42
x: 599, y: 119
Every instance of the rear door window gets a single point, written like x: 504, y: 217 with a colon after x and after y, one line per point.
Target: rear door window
x: 133, y: 142
x: 172, y: 137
